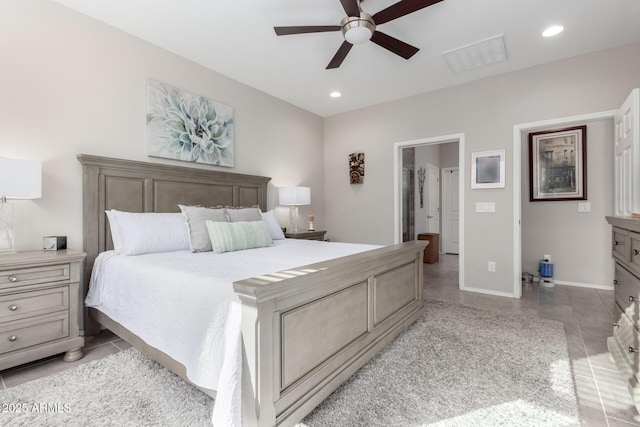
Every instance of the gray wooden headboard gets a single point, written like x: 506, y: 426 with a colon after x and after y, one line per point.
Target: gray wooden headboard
x: 134, y: 186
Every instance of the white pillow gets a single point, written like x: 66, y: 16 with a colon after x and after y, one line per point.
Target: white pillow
x: 237, y: 236
x: 273, y: 225
x: 149, y: 232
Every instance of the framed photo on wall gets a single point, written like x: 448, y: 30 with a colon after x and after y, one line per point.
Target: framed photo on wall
x: 487, y: 169
x: 558, y: 164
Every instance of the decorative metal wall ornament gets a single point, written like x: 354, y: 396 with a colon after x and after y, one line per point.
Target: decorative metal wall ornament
x: 356, y: 168
x: 188, y: 127
x: 422, y: 172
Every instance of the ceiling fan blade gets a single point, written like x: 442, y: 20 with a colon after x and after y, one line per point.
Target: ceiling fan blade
x: 340, y: 55
x: 351, y: 7
x: 402, y: 8
x: 284, y: 31
x: 394, y: 45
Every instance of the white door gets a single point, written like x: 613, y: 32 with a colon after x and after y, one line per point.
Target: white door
x: 450, y: 210
x: 627, y: 156
x: 433, y: 199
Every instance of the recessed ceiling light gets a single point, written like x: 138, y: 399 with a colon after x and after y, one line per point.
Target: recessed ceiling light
x: 553, y: 31
x: 335, y: 94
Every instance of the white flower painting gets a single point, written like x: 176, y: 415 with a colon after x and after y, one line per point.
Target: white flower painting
x: 188, y: 127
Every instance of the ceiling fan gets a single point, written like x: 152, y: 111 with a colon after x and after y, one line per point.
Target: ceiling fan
x: 358, y: 27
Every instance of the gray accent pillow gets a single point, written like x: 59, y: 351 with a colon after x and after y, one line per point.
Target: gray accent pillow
x: 195, y: 218
x: 243, y: 214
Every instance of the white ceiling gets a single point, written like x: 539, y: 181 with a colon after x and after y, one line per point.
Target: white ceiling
x: 236, y: 38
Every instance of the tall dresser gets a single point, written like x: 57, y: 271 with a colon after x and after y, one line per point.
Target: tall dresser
x: 624, y: 345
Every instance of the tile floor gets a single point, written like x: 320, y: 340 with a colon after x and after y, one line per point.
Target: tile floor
x: 586, y: 313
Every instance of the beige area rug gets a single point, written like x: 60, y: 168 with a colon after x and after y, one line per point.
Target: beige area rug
x: 460, y: 366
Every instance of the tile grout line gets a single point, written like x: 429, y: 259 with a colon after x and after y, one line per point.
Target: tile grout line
x: 593, y: 375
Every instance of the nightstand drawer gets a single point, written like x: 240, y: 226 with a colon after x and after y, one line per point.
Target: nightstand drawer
x: 34, y: 303
x: 32, y: 276
x: 33, y: 331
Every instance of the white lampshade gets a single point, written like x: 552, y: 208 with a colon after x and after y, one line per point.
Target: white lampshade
x: 20, y: 179
x: 298, y: 196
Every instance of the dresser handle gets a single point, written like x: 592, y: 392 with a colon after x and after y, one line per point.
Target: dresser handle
x: 12, y: 338
x: 13, y: 279
x: 616, y: 281
x: 636, y: 252
x: 632, y: 350
x: 632, y: 299
x: 616, y: 243
x: 13, y: 307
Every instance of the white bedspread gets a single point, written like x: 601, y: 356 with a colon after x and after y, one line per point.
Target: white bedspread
x: 183, y: 304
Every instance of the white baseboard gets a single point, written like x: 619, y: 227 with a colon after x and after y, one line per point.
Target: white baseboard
x: 580, y: 285
x: 488, y: 292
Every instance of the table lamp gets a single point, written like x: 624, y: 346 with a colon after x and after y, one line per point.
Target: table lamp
x: 294, y: 197
x: 19, y: 179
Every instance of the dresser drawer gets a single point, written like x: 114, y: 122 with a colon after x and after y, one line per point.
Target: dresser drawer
x: 620, y: 244
x: 31, y: 276
x: 627, y: 293
x: 627, y: 337
x: 634, y: 249
x: 35, y: 330
x: 34, y: 303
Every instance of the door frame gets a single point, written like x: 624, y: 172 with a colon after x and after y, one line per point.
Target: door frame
x: 517, y: 179
x: 397, y: 187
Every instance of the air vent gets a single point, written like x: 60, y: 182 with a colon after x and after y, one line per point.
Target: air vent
x: 478, y: 54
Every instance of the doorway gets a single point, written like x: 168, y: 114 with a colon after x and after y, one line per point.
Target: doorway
x: 424, y: 224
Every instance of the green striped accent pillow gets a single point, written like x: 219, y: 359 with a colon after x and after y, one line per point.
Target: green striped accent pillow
x: 236, y: 236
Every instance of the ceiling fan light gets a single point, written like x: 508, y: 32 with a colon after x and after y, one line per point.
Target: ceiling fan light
x: 357, y: 30
x: 358, y: 35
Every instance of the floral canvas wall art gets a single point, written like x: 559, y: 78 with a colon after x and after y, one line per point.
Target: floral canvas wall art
x: 188, y: 127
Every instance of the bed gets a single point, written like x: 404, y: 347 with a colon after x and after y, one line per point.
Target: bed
x: 284, y: 316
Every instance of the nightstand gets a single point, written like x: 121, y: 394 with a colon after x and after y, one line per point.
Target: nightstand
x: 307, y: 235
x: 39, y: 306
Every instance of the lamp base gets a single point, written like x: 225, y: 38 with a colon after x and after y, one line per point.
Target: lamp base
x: 293, y: 219
x: 7, y: 214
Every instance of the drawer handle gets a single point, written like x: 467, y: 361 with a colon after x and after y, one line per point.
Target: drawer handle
x: 632, y: 350
x: 616, y: 243
x: 636, y: 252
x: 13, y: 307
x: 13, y: 279
x: 12, y: 338
x: 616, y: 324
x: 632, y: 299
x: 616, y: 281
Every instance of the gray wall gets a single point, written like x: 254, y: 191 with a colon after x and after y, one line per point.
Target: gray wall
x: 485, y: 111
x: 72, y: 85
x: 579, y: 243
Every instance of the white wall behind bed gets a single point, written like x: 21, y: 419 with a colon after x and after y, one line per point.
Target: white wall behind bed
x: 71, y: 85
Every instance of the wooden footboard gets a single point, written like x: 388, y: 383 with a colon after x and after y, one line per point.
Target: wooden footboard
x: 305, y: 331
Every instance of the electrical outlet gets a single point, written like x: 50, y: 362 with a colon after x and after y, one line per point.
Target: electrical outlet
x: 492, y: 266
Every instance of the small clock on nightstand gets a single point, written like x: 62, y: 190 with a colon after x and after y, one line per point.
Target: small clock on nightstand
x: 307, y: 235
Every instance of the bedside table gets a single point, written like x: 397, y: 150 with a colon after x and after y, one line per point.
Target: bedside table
x: 39, y: 303
x: 307, y: 235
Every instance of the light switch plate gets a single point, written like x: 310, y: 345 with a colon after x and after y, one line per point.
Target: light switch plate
x: 584, y: 207
x: 485, y: 206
